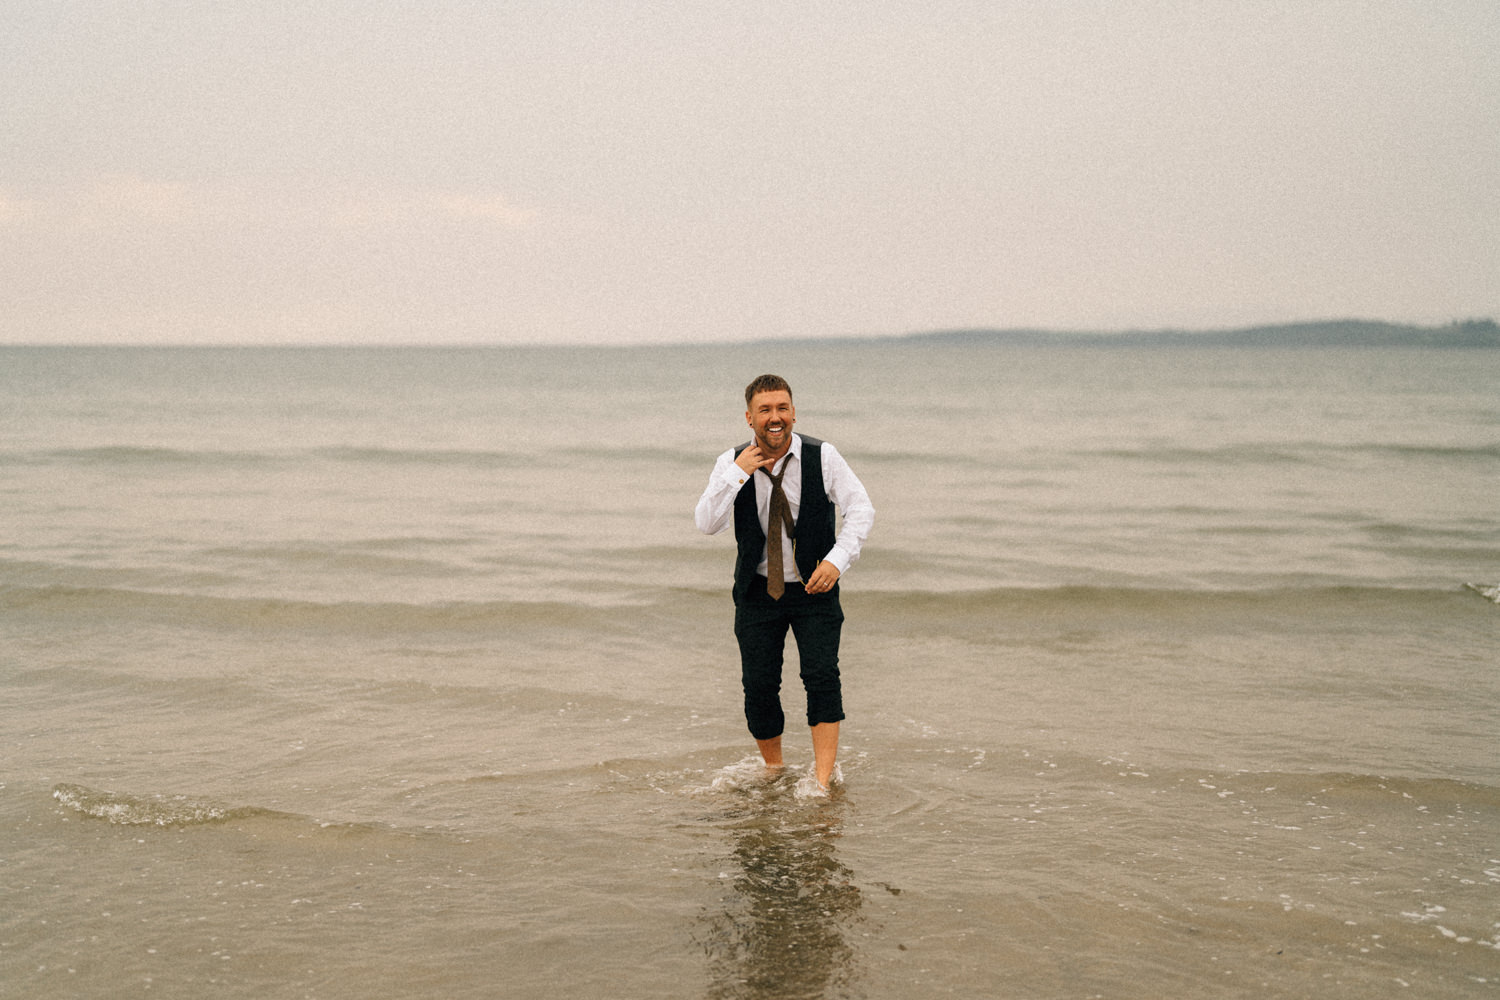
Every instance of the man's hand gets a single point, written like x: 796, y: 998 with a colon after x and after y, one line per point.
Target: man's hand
x: 752, y: 458
x: 823, y: 578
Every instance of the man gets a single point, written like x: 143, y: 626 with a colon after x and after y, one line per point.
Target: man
x: 779, y: 490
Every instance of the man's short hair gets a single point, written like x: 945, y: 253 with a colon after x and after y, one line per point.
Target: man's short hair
x: 766, y: 383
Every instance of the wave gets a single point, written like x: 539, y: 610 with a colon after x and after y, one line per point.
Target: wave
x: 1301, y: 452
x: 373, y: 556
x: 126, y: 455
x: 1026, y: 601
x: 127, y: 809
x: 1489, y: 591
x: 94, y: 603
x: 1354, y: 790
x: 663, y: 608
x: 1241, y: 453
x: 133, y: 456
x: 701, y: 459
x: 159, y: 810
x: 466, y: 458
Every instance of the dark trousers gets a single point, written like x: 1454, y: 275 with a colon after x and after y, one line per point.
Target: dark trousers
x: 760, y: 625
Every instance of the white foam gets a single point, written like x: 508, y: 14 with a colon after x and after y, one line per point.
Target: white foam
x: 745, y: 774
x: 1488, y: 591
x: 752, y: 775
x: 808, y: 787
x: 130, y: 810
x: 739, y: 774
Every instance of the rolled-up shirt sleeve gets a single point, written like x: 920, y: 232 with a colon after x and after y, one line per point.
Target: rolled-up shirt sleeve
x: 715, y: 510
x: 849, y: 495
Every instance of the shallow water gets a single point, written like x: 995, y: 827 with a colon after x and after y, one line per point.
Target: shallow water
x: 403, y: 673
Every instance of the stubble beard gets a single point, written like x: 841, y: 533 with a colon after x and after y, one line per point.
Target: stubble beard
x: 763, y: 437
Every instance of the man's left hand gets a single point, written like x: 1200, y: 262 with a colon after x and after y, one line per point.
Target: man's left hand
x: 823, y: 578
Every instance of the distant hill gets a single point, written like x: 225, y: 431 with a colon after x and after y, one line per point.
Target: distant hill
x: 1336, y: 333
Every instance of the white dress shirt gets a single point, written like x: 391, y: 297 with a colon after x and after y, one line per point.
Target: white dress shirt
x: 715, y: 511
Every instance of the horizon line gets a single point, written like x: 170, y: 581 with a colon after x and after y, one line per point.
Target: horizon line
x: 1038, y: 332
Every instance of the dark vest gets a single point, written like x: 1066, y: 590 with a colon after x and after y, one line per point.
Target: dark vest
x: 814, y: 536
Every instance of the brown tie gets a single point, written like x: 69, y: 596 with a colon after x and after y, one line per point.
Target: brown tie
x: 780, y: 514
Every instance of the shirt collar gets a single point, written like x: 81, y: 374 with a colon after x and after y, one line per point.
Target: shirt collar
x: 794, y: 450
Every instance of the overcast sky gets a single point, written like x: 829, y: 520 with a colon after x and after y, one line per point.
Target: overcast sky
x: 626, y: 172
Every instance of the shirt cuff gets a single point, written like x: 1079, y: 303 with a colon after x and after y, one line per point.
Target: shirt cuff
x: 839, y: 558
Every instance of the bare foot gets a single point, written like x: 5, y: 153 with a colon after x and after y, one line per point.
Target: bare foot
x: 770, y: 751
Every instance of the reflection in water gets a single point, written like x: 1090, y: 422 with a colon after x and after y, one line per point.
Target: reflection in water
x: 782, y: 930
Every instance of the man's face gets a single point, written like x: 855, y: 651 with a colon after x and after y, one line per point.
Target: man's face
x: 771, y: 416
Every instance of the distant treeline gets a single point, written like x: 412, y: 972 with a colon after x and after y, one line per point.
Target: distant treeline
x: 1336, y: 333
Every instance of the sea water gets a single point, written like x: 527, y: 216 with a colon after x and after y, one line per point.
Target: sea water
x: 403, y: 672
